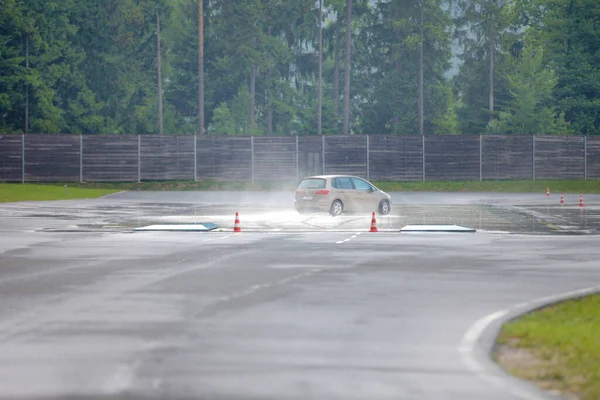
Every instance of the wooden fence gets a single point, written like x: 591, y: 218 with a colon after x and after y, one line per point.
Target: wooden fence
x: 129, y: 158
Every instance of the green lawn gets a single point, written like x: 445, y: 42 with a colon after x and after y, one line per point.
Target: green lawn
x: 76, y: 190
x: 25, y: 192
x: 565, y: 341
x: 187, y: 185
x: 556, y: 186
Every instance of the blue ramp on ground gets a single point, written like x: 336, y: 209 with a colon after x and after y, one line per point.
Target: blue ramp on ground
x: 436, y: 228
x: 201, y: 227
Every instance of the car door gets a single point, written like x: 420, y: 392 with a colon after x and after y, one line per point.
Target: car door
x: 364, y: 199
x: 345, y: 191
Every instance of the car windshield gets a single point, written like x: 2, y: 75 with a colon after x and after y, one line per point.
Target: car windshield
x: 313, y: 183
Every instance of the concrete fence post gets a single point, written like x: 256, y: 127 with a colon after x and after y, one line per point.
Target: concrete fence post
x: 297, y: 161
x: 323, y: 152
x: 480, y: 157
x: 80, y: 158
x: 368, y: 159
x: 23, y: 158
x: 252, y: 156
x: 195, y: 158
x: 423, y: 150
x: 139, y: 158
x: 533, y: 157
x: 585, y: 157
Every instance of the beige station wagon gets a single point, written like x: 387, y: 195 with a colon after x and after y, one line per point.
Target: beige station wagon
x: 340, y: 193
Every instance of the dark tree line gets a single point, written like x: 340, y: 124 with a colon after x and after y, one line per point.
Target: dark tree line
x: 286, y: 67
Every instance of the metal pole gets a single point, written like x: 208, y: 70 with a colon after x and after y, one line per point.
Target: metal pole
x: 480, y: 157
x: 320, y: 101
x: 201, y: 66
x: 27, y: 85
x: 252, y: 155
x: 297, y: 161
x: 423, y: 136
x: 323, y: 155
x: 139, y: 158
x: 23, y: 158
x: 585, y: 158
x: 195, y: 159
x: 80, y: 158
x: 368, y: 169
x: 533, y: 156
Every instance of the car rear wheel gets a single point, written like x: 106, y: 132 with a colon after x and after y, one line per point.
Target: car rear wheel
x: 384, y: 207
x: 337, y: 208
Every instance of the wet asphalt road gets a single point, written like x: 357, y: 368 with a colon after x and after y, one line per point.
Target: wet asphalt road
x: 292, y: 308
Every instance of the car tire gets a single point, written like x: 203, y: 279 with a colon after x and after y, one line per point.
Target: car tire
x: 384, y: 207
x: 337, y: 208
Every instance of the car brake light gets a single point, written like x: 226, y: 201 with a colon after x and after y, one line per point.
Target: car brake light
x: 323, y: 191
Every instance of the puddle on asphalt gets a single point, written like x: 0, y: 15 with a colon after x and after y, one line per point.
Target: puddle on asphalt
x: 495, y: 218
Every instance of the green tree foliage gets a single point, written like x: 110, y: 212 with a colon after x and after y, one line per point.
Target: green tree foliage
x: 223, y: 122
x: 480, y: 27
x: 59, y: 98
x: 90, y: 66
x: 180, y: 37
x: 391, y: 68
x: 529, y: 111
x: 119, y: 37
x: 571, y: 34
x: 13, y: 75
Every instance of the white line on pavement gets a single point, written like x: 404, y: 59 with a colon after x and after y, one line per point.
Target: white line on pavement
x: 215, y: 238
x: 350, y: 238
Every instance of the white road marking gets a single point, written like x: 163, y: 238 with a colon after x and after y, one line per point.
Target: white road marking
x: 215, y: 238
x: 261, y: 286
x: 350, y: 238
x: 469, y: 341
x: 294, y: 232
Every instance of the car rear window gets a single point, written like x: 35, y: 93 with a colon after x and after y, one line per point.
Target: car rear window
x: 313, y: 183
x: 342, y: 183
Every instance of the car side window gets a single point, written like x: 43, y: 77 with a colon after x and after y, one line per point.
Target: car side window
x: 335, y: 182
x: 359, y: 184
x: 345, y: 183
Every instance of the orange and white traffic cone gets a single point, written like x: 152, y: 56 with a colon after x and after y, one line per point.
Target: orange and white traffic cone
x: 373, y: 224
x: 236, y: 225
x: 580, y: 200
x: 547, y: 191
x: 562, y: 199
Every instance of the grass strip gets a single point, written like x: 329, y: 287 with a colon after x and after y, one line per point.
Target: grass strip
x: 529, y: 186
x: 38, y: 192
x: 557, y: 348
